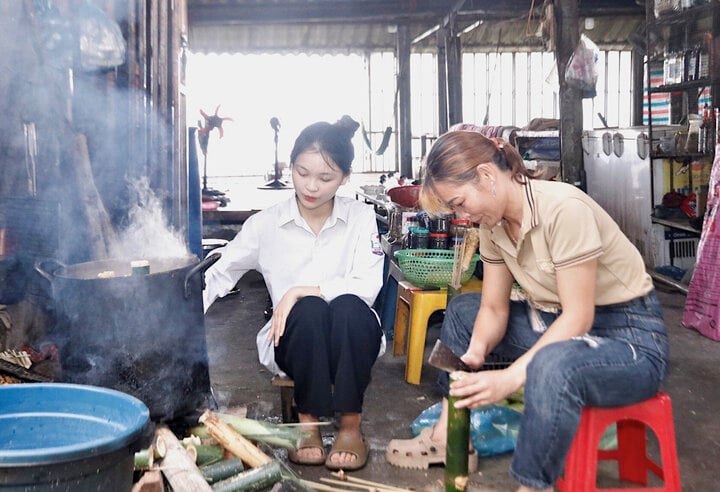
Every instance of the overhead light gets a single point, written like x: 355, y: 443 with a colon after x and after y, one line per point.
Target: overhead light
x: 471, y: 27
x: 426, y: 34
x: 392, y: 28
x: 589, y: 23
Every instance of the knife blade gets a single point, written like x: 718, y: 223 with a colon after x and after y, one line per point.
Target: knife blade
x: 443, y: 358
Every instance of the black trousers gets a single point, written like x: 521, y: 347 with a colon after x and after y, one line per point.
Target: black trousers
x: 329, y: 349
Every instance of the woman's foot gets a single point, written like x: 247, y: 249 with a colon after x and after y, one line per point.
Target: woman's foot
x: 349, y: 451
x: 428, y: 448
x: 310, y: 449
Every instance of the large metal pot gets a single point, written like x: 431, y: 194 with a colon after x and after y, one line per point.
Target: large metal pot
x: 140, y: 334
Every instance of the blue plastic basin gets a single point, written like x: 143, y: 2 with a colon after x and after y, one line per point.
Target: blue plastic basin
x: 45, y: 427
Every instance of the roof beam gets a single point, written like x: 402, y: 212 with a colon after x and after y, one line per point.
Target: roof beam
x: 386, y: 11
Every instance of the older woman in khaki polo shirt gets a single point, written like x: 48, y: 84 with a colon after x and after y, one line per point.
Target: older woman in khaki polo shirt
x: 591, y: 332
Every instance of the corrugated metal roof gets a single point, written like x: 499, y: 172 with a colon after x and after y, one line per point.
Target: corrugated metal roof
x: 332, y: 26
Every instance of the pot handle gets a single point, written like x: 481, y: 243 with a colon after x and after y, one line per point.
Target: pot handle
x: 200, y: 267
x: 49, y: 275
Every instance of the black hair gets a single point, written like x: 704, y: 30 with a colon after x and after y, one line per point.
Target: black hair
x: 333, y: 141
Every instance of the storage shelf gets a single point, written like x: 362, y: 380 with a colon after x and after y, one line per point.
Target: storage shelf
x: 684, y: 16
x: 659, y: 277
x: 680, y: 224
x: 674, y: 31
x: 681, y: 86
x: 681, y: 156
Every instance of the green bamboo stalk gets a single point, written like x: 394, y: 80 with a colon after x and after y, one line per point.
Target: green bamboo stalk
x: 458, y: 443
x: 207, y: 455
x: 221, y: 470
x: 255, y: 479
x: 274, y: 434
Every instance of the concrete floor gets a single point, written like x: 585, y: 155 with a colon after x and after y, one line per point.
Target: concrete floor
x: 392, y: 404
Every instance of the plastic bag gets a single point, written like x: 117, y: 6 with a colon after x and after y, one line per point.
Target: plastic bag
x: 493, y: 428
x: 101, y: 42
x: 581, y: 70
x: 701, y: 307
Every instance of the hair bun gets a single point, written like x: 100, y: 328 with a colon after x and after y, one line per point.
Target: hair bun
x: 348, y: 124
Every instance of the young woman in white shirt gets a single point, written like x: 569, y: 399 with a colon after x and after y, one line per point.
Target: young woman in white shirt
x: 321, y: 259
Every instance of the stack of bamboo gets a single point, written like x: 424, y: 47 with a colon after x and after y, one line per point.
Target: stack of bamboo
x: 220, y: 456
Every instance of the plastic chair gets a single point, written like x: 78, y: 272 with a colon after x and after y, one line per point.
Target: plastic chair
x: 631, y: 452
x: 413, y: 311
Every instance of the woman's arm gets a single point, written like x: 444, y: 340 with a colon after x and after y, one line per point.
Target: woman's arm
x: 576, y: 288
x: 492, y: 317
x: 236, y: 258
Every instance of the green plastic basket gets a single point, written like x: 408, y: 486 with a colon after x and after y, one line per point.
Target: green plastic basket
x: 431, y: 267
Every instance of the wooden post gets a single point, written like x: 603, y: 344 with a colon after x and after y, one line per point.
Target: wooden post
x: 568, y: 35
x: 453, y: 52
x: 442, y: 81
x: 403, y: 81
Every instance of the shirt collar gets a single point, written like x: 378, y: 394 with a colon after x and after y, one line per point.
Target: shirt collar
x: 290, y: 212
x: 530, y: 220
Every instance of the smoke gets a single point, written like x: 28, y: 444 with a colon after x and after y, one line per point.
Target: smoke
x: 147, y: 234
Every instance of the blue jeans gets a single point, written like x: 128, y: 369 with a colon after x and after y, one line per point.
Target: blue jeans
x: 624, y: 361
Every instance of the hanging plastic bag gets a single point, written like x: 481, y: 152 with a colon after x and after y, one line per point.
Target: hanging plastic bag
x: 101, y: 42
x: 581, y: 71
x: 493, y: 428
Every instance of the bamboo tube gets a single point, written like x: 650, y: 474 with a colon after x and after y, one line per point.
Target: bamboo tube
x: 458, y: 442
x: 222, y: 470
x: 258, y: 478
x: 207, y: 455
x: 178, y: 467
x: 231, y: 440
x: 144, y: 459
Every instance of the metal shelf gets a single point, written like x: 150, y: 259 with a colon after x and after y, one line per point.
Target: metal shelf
x: 659, y: 277
x: 681, y: 86
x: 684, y: 16
x: 683, y: 225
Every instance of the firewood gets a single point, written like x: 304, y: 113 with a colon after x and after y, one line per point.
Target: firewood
x: 177, y: 466
x: 233, y: 441
x: 151, y: 481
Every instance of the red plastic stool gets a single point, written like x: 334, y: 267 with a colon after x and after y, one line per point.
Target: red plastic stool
x: 631, y: 452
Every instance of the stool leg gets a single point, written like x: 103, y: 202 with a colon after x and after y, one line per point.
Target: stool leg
x: 632, y: 451
x: 420, y: 312
x: 286, y: 403
x: 668, y: 455
x: 402, y: 312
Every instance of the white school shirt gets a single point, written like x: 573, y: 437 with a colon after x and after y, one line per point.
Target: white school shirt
x: 344, y: 258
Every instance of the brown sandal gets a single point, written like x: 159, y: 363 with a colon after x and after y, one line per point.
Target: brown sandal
x: 421, y: 452
x: 351, y: 445
x: 314, y: 440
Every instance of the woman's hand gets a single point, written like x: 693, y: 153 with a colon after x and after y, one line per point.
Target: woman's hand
x: 485, y: 387
x: 280, y: 314
x: 283, y: 308
x: 474, y: 357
